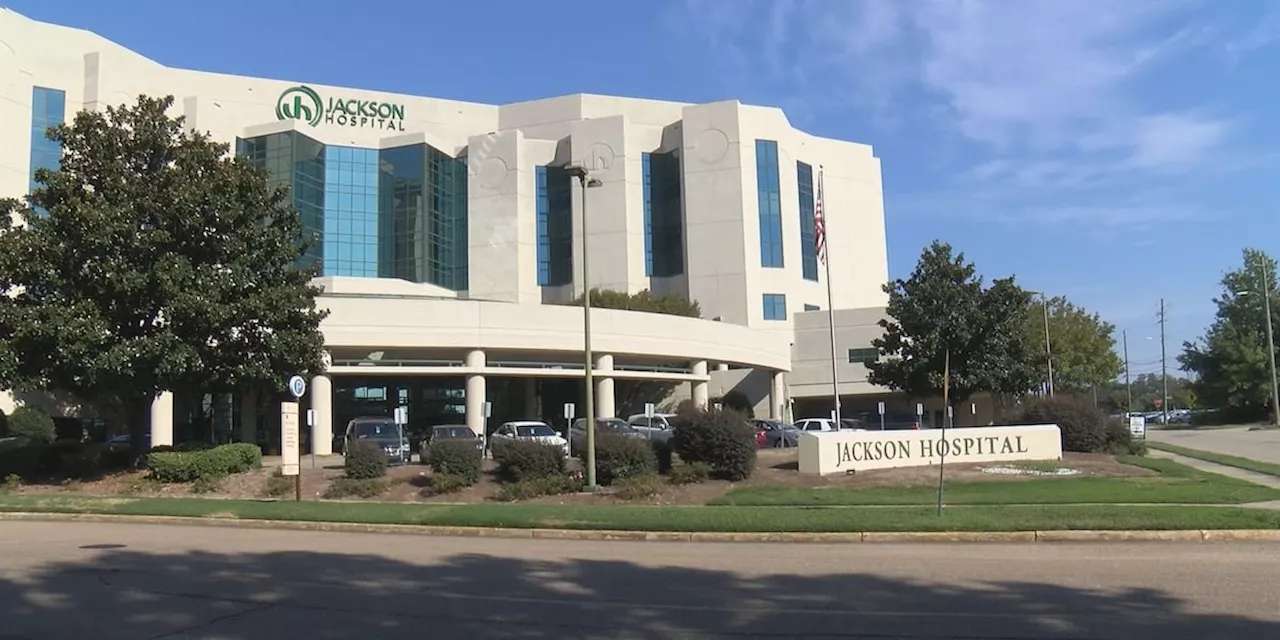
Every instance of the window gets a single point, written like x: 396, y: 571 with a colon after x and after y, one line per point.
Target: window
x: 812, y: 307
x: 48, y: 109
x: 663, y: 219
x: 863, y: 356
x: 775, y: 306
x: 808, y: 235
x: 769, y: 202
x: 555, y: 226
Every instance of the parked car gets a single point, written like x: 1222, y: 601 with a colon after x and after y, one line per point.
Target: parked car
x: 659, y: 427
x: 612, y: 426
x: 531, y: 430
x: 382, y: 431
x: 449, y: 432
x: 777, y: 433
x: 829, y: 425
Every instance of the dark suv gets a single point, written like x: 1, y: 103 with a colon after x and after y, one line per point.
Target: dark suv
x: 381, y: 431
x: 449, y: 432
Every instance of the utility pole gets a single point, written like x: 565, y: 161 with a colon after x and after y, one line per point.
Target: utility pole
x: 1128, y: 389
x: 1271, y: 345
x: 1164, y: 370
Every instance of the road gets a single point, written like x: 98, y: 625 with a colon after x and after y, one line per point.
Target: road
x: 109, y: 581
x: 1261, y: 445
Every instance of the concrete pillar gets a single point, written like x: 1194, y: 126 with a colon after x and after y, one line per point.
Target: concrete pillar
x: 322, y: 404
x: 531, y: 399
x: 249, y: 416
x: 162, y: 419
x: 700, y: 394
x: 723, y: 366
x: 778, y: 396
x: 475, y: 394
x: 604, y: 387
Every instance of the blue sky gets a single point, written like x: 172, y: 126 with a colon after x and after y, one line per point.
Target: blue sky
x: 1113, y: 152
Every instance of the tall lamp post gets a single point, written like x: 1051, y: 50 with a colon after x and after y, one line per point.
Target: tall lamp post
x: 1271, y: 347
x: 587, y: 182
x: 1048, y: 351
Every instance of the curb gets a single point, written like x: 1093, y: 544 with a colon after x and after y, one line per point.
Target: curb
x: 1192, y: 535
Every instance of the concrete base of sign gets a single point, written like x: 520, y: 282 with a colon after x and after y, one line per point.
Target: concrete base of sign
x: 845, y: 451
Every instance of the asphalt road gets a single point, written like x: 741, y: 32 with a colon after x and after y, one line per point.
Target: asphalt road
x: 1261, y: 445
x: 108, y: 581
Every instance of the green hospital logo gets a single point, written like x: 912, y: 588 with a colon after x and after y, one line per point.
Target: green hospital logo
x: 300, y: 103
x: 305, y: 104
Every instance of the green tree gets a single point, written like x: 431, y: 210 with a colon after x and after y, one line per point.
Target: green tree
x: 944, y: 308
x: 1083, y: 346
x: 674, y: 305
x: 1146, y: 389
x: 1230, y: 361
x: 159, y: 263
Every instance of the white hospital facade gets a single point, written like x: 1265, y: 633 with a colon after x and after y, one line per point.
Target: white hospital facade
x: 450, y: 235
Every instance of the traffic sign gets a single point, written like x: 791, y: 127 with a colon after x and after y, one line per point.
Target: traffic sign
x: 881, y: 407
x: 648, y: 409
x: 297, y: 386
x: 569, y: 410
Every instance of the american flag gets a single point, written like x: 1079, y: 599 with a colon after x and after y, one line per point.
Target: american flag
x: 819, y: 223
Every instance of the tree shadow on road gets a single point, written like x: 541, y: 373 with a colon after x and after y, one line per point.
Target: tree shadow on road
x: 122, y: 593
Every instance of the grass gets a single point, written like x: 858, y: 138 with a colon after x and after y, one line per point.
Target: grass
x: 1257, y: 466
x: 671, y: 518
x: 1175, y: 484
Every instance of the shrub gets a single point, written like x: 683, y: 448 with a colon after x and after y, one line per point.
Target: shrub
x: 207, y: 484
x: 11, y: 483
x: 689, y: 473
x: 1119, y: 438
x: 619, y: 457
x: 357, y: 487
x: 278, y: 485
x: 455, y: 457
x: 640, y: 487
x: 442, y: 483
x: 537, y: 487
x: 188, y: 466
x: 722, y: 439
x: 524, y: 459
x: 1084, y: 426
x: 364, y: 460
x: 88, y: 461
x: 32, y: 424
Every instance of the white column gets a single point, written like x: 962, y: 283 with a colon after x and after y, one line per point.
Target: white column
x: 778, y: 396
x: 322, y: 404
x: 475, y: 397
x: 700, y: 394
x: 249, y: 416
x: 162, y: 419
x: 723, y: 366
x: 604, y: 387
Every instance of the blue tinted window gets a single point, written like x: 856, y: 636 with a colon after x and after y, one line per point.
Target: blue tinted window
x: 663, y: 217
x: 808, y: 235
x: 48, y: 109
x: 554, y: 192
x: 775, y: 306
x: 769, y: 203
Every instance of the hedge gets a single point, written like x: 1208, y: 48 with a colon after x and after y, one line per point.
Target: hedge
x: 721, y: 438
x: 187, y: 466
x: 458, y: 458
x: 620, y: 457
x: 364, y: 460
x: 519, y: 460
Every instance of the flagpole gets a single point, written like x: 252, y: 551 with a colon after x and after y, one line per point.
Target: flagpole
x: 831, y: 311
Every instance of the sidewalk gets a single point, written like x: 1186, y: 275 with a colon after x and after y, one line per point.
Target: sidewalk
x: 1220, y: 469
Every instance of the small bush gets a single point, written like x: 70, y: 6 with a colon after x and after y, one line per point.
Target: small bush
x: 537, y: 487
x: 364, y: 460
x: 1085, y: 428
x: 689, y: 473
x: 619, y: 457
x: 32, y: 424
x: 218, y: 462
x: 207, y: 484
x: 723, y: 439
x: 640, y: 487
x: 354, y: 487
x: 455, y: 457
x: 192, y: 445
x: 443, y: 483
x: 12, y: 482
x: 278, y: 485
x: 519, y: 460
x: 22, y: 458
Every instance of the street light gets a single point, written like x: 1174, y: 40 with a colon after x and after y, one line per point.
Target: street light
x: 1048, y: 353
x: 587, y: 182
x: 1271, y: 347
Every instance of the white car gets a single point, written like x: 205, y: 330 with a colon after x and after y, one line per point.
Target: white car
x: 659, y: 427
x: 826, y: 425
x: 532, y: 430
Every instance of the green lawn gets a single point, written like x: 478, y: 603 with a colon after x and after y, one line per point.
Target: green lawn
x: 1175, y: 484
x: 1258, y: 466
x: 684, y: 519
